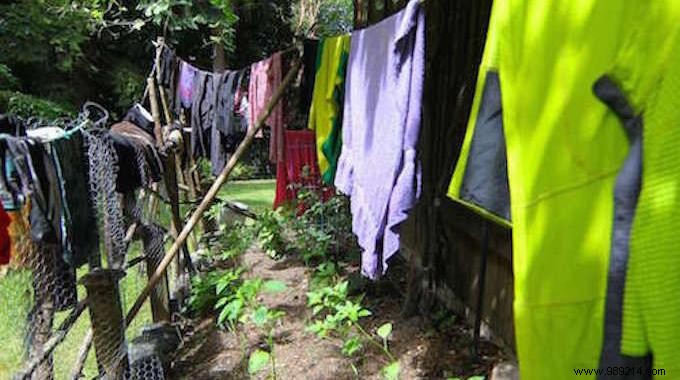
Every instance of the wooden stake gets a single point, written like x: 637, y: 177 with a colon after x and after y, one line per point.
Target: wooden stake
x: 211, y: 194
x: 155, y: 112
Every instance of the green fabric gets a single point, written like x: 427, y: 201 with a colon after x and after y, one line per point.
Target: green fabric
x: 327, y: 101
x: 564, y: 149
x: 652, y: 295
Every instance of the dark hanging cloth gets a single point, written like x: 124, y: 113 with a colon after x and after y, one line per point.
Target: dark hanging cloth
x: 202, y: 113
x: 138, y: 161
x: 309, y: 62
x: 48, y: 231
x: 140, y: 117
x: 78, y: 211
x: 227, y: 130
x: 169, y: 65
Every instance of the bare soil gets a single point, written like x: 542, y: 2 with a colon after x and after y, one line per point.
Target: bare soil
x: 432, y: 347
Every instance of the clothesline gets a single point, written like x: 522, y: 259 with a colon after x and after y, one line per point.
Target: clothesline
x: 67, y: 133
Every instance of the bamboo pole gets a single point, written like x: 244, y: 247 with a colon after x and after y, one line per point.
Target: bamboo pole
x: 170, y: 178
x: 84, y: 351
x: 155, y: 112
x: 211, y: 194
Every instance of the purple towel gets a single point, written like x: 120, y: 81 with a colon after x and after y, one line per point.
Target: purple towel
x: 378, y: 167
x: 186, y: 84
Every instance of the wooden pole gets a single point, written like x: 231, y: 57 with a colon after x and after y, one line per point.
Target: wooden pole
x: 211, y: 194
x: 170, y: 180
x: 155, y: 112
x: 84, y: 351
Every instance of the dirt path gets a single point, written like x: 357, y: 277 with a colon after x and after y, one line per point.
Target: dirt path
x: 424, y: 352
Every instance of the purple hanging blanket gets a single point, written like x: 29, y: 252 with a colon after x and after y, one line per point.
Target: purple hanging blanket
x: 378, y: 167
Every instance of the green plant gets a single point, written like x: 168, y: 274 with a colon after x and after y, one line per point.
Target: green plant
x: 7, y: 80
x: 338, y: 315
x: 243, y: 171
x: 265, y: 318
x: 176, y: 16
x: 324, y: 229
x: 30, y: 106
x: 127, y: 86
x: 269, y: 229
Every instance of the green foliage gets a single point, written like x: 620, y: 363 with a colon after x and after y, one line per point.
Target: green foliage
x: 30, y: 106
x: 258, y: 361
x: 207, y: 289
x: 235, y: 298
x: 352, y: 346
x: 176, y: 16
x: 391, y: 371
x: 49, y: 32
x: 323, y: 18
x: 324, y: 228
x: 270, y: 232
x: 242, y: 171
x: 384, y: 331
x: 7, y: 80
x: 338, y: 312
x: 127, y: 86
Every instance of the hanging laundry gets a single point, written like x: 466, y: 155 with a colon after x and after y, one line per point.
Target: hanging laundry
x: 572, y: 170
x: 265, y: 79
x: 140, y: 117
x: 78, y: 211
x: 480, y: 179
x: 325, y: 114
x: 227, y: 131
x: 299, y: 169
x: 651, y: 311
x: 19, y: 231
x: 186, y: 84
x: 5, y: 242
x: 378, y: 167
x: 309, y: 67
x: 202, y: 113
x: 138, y: 161
x: 168, y: 70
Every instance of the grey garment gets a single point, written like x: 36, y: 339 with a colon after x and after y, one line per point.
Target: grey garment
x: 202, y: 113
x: 485, y: 182
x: 626, y: 194
x: 225, y: 130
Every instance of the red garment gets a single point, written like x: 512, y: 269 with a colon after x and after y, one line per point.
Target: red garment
x: 299, y: 168
x: 265, y: 79
x: 5, y: 245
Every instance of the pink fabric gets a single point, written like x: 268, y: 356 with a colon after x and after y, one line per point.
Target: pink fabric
x: 265, y: 79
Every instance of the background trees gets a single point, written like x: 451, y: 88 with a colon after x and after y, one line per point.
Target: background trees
x: 55, y: 54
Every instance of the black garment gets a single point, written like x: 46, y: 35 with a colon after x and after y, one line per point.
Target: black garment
x: 135, y: 116
x: 202, y: 113
x: 309, y: 62
x: 137, y: 164
x: 78, y: 210
x: 168, y: 70
x: 227, y: 130
x: 626, y: 194
x: 486, y: 174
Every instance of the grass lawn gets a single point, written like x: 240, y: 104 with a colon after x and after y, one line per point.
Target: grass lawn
x: 258, y: 194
